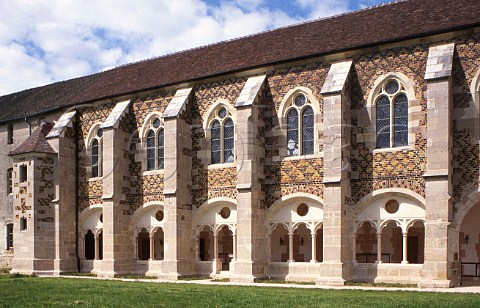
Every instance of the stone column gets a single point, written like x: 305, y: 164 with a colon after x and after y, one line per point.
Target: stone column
x: 97, y: 247
x: 290, y: 247
x: 117, y: 241
x: 354, y: 248
x: 215, y: 253
x: 179, y: 233
x: 234, y: 238
x: 437, y: 269
x: 379, y: 248
x: 251, y: 231
x: 152, y: 247
x: 404, y: 247
x: 337, y: 230
x: 62, y: 139
x: 314, y: 248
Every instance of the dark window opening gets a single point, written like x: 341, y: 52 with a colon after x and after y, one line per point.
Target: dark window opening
x: 89, y: 245
x: 23, y: 224
x: 9, y: 236
x: 10, y: 134
x: 22, y: 174
x: 10, y: 181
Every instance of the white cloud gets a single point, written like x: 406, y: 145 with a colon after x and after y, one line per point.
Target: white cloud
x: 323, y: 8
x: 42, y: 41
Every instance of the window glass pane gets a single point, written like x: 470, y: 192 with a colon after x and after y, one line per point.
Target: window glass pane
x: 160, y: 150
x: 392, y: 87
x: 150, y: 150
x: 307, y: 131
x: 95, y: 171
x: 292, y: 133
x: 400, y: 125
x: 216, y: 149
x: 228, y: 141
x: 383, y: 122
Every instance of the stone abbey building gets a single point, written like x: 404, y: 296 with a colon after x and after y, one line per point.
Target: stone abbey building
x: 345, y: 148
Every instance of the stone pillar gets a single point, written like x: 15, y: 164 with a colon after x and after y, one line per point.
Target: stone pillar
x: 97, y: 247
x: 404, y: 247
x: 179, y: 233
x: 34, y: 242
x: 234, y: 238
x: 152, y: 247
x: 64, y: 202
x: 437, y: 269
x: 337, y: 230
x: 314, y: 248
x: 290, y: 247
x: 118, y: 248
x: 251, y: 232
x: 354, y: 248
x: 379, y: 248
x: 215, y: 253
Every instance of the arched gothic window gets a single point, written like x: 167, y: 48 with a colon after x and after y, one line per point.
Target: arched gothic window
x: 155, y: 145
x: 300, y: 127
x: 391, y: 106
x: 222, y: 131
x: 97, y: 154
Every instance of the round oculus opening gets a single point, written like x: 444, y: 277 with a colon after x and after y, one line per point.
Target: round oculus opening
x: 159, y: 215
x: 302, y: 209
x: 392, y: 206
x: 100, y: 133
x: 392, y: 87
x: 300, y: 100
x: 156, y: 123
x: 222, y: 113
x: 225, y: 212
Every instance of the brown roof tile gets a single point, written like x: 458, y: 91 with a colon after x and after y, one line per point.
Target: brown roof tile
x: 36, y: 142
x: 387, y: 23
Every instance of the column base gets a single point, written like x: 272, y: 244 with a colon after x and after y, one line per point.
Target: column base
x: 424, y: 284
x: 330, y: 281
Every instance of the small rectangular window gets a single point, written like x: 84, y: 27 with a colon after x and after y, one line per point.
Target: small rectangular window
x: 23, y: 224
x: 10, y: 134
x: 22, y: 174
x: 9, y: 181
x: 9, y: 236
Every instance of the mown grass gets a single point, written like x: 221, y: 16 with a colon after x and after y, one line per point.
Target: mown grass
x: 24, y: 291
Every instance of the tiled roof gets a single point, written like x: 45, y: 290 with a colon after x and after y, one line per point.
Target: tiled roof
x: 36, y: 142
x: 382, y: 24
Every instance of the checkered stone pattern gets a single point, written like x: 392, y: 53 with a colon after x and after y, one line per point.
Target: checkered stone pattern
x: 292, y: 176
x: 466, y: 151
x: 209, y: 93
x: 213, y: 183
x: 46, y: 189
x: 90, y: 193
x: 390, y: 169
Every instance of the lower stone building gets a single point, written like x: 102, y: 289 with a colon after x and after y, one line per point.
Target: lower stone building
x: 328, y: 151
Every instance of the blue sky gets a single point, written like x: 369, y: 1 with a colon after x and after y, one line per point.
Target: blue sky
x: 43, y: 41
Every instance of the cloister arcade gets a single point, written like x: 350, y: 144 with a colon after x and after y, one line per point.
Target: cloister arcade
x: 389, y: 234
x: 91, y: 239
x: 216, y: 241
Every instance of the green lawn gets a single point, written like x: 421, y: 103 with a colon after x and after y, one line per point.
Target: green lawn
x: 35, y: 292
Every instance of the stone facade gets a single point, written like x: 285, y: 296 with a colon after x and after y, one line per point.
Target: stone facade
x: 343, y: 210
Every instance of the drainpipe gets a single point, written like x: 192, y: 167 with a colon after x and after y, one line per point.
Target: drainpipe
x: 29, y: 126
x: 76, y: 127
